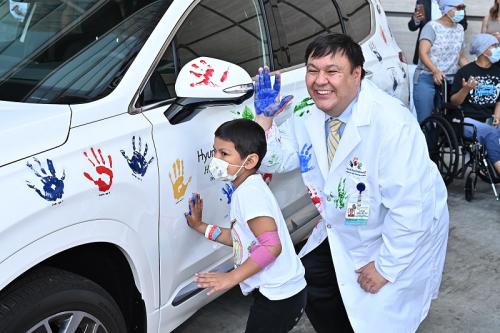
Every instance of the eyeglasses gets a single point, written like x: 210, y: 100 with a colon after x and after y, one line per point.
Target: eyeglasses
x: 459, y: 7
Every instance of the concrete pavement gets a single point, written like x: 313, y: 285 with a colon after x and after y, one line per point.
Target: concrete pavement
x: 470, y: 292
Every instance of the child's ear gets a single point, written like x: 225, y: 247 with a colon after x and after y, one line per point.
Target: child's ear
x: 252, y: 161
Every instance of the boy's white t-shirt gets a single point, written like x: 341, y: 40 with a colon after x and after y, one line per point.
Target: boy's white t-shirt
x: 282, y: 278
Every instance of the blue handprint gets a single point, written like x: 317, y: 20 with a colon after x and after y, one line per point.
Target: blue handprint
x: 138, y: 162
x: 305, y: 157
x: 53, y: 187
x: 266, y: 100
x: 228, y: 190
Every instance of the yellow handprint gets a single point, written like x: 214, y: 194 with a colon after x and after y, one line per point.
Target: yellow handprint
x: 178, y: 186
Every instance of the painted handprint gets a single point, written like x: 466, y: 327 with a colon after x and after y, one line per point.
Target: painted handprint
x: 99, y: 164
x: 228, y: 191
x: 205, y: 72
x: 267, y: 177
x: 178, y: 186
x: 138, y: 162
x: 316, y: 200
x: 373, y: 48
x: 303, y: 107
x: 53, y: 187
x: 341, y: 198
x: 266, y: 99
x: 305, y: 157
x: 245, y: 114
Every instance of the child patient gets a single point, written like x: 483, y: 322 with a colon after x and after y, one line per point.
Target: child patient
x: 266, y: 264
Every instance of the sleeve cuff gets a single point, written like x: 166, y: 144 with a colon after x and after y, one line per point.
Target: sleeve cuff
x: 386, y: 275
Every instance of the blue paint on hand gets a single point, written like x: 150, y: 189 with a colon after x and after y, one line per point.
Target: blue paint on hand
x: 191, y: 202
x: 138, y: 162
x: 228, y: 191
x: 266, y: 99
x: 53, y: 187
x: 305, y: 157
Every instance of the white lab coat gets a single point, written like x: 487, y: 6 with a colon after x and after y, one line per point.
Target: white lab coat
x: 407, y: 229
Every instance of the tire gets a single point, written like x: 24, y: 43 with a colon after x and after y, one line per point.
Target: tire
x: 469, y: 186
x: 443, y: 146
x: 58, y: 297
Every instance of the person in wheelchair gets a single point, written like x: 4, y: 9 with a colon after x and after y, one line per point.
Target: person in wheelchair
x: 476, y: 88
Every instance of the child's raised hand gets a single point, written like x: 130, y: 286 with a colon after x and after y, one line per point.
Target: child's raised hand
x: 194, y: 216
x: 215, y: 281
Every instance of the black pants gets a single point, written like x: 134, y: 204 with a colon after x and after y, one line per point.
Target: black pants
x: 280, y: 316
x: 324, y: 308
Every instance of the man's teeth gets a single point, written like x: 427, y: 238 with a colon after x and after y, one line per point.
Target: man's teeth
x: 323, y: 92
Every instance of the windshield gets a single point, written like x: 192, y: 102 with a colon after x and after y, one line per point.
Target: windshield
x: 70, y: 51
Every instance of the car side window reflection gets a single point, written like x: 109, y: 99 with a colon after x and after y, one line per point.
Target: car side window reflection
x: 305, y: 20
x: 233, y: 31
x: 358, y: 14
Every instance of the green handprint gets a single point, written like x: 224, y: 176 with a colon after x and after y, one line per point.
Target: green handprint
x: 247, y: 113
x: 273, y: 160
x: 300, y: 108
x: 341, y: 198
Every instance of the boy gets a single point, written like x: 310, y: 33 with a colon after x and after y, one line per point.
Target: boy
x: 266, y: 264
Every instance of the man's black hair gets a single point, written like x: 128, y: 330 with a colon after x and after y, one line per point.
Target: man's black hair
x: 246, y: 135
x: 334, y: 43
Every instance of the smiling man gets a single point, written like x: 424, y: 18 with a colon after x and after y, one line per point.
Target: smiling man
x: 375, y: 260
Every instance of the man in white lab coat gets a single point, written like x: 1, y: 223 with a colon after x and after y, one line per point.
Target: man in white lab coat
x: 375, y: 261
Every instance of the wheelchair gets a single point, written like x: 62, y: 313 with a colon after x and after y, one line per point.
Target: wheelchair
x: 454, y: 154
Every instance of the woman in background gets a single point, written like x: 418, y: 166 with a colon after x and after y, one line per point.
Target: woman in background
x: 441, y: 54
x: 491, y: 22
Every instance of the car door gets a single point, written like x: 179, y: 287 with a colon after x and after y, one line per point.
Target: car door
x: 231, y: 31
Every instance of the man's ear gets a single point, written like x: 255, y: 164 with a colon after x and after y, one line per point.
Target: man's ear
x: 357, y: 72
x: 251, y: 162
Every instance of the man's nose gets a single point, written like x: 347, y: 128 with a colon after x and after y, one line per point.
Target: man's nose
x: 321, y: 78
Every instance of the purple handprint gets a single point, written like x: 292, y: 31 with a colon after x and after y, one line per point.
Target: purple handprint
x: 305, y: 157
x: 53, y: 187
x: 138, y: 162
x: 267, y: 102
x: 228, y: 190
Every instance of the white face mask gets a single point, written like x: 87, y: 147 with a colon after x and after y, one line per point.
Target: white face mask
x: 218, y: 169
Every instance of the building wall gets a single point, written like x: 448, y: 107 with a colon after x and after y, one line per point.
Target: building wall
x: 399, y: 13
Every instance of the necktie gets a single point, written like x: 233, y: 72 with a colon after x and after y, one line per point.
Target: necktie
x: 333, y: 137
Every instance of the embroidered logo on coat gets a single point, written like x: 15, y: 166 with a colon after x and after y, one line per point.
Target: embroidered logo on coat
x: 356, y: 167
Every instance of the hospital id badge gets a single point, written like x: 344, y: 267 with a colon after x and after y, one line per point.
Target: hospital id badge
x: 357, y: 213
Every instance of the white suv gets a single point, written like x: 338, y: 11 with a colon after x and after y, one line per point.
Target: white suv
x: 98, y: 155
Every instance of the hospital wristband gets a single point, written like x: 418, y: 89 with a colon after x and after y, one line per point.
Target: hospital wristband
x: 212, y: 232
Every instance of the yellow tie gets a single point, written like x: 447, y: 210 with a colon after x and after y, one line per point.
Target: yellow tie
x: 333, y: 138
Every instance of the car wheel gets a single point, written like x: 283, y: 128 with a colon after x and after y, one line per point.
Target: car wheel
x: 50, y: 300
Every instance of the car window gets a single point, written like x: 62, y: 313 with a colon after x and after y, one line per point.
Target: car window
x: 233, y: 31
x: 358, y: 23
x: 305, y: 20
x: 70, y: 51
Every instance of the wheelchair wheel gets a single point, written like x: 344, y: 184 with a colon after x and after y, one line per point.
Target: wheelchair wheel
x: 443, y: 146
x: 469, y: 186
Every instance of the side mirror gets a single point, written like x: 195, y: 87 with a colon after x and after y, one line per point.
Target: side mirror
x: 207, y: 81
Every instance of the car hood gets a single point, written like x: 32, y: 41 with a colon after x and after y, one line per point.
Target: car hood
x: 28, y: 129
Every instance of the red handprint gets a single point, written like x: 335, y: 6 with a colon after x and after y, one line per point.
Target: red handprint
x: 267, y: 177
x: 314, y: 197
x: 205, y: 71
x: 100, y: 168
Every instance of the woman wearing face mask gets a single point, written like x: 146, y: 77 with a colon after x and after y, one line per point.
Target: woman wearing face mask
x: 425, y: 11
x: 441, y: 53
x: 491, y: 22
x: 477, y: 89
